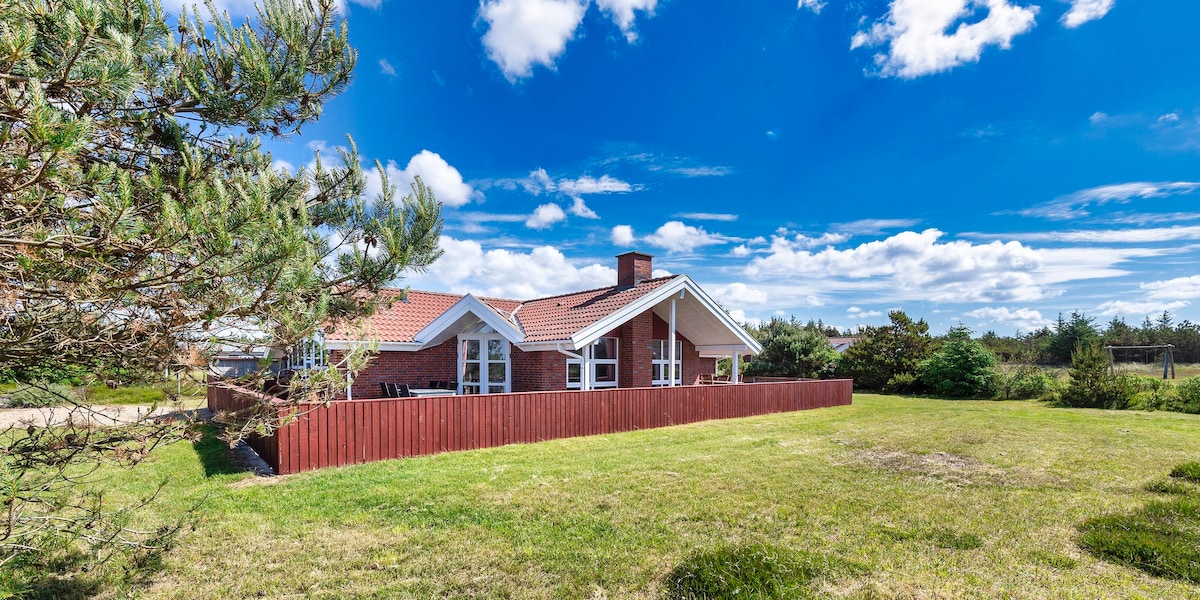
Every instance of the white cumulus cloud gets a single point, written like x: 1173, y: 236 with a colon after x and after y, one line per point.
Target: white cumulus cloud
x: 1022, y: 319
x: 813, y: 5
x: 465, y: 267
x: 736, y: 294
x: 1138, y: 309
x: 914, y: 265
x: 1083, y: 11
x: 545, y: 216
x: 1180, y: 288
x: 445, y: 180
x: 524, y: 33
x: 622, y: 14
x: 919, y: 41
x: 386, y: 67
x: 675, y: 236
x: 622, y: 235
x: 580, y: 209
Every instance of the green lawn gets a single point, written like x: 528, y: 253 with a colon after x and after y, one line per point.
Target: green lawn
x: 906, y: 498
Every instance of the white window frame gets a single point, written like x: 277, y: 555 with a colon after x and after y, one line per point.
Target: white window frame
x: 308, y: 354
x: 661, y: 348
x: 484, y: 384
x: 616, y: 369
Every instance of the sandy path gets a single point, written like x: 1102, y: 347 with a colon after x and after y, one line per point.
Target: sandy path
x: 94, y: 415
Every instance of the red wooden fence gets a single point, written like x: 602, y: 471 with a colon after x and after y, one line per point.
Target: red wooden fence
x: 358, y: 431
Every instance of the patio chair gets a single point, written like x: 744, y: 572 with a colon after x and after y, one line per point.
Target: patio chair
x: 388, y: 389
x: 402, y: 390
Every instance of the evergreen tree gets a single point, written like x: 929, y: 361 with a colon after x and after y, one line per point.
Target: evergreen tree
x: 141, y: 221
x: 887, y: 357
x: 961, y: 367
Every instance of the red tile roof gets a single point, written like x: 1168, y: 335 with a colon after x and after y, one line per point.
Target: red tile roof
x: 545, y: 319
x: 406, y: 318
x: 560, y: 317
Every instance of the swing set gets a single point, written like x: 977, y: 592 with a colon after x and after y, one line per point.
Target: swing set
x: 1168, y: 356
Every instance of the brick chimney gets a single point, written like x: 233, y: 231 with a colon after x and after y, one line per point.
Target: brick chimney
x: 633, y: 268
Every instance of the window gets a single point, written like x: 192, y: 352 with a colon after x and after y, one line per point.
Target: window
x: 604, y: 366
x: 309, y: 354
x: 485, y: 364
x: 662, y: 359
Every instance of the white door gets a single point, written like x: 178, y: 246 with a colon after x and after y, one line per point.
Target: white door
x: 483, y: 364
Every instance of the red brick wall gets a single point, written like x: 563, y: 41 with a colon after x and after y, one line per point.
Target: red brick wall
x: 633, y: 359
x: 538, y: 371
x: 416, y: 369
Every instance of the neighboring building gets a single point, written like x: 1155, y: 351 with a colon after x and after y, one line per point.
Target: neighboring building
x: 618, y: 336
x: 842, y: 344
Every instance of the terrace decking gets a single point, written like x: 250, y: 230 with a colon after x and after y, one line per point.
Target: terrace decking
x: 360, y: 431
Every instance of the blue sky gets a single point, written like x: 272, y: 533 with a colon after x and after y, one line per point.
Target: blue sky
x: 990, y: 162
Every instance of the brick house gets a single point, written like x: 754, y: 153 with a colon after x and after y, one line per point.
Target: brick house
x: 618, y: 336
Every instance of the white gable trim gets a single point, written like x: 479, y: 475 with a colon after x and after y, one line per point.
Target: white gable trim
x: 382, y: 347
x: 680, y: 283
x: 469, y: 304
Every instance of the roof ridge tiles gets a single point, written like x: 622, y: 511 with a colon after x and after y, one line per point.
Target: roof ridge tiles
x: 597, y: 289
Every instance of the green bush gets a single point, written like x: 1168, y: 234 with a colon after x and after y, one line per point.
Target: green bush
x: 960, y: 368
x: 1187, y: 398
x: 1027, y: 382
x: 754, y: 571
x: 41, y: 394
x: 903, y: 383
x: 1151, y: 393
x: 1162, y: 539
x: 1189, y: 471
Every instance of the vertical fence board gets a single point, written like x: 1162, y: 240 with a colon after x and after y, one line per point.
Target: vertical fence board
x: 358, y: 431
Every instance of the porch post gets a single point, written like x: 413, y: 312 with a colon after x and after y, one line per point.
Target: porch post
x: 671, y: 352
x: 733, y: 377
x: 585, y: 368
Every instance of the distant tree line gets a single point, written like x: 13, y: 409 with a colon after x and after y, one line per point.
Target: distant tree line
x: 902, y: 357
x: 1055, y: 345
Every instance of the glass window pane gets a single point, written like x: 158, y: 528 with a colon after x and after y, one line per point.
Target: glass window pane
x: 606, y: 372
x: 472, y: 349
x: 496, y: 373
x: 656, y: 372
x: 573, y: 370
x: 605, y: 349
x: 495, y: 389
x: 678, y: 348
x: 471, y: 372
x: 470, y: 389
x: 496, y: 349
x: 658, y: 349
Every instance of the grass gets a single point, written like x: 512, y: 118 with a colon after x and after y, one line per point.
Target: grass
x: 1162, y: 538
x: 889, y: 498
x: 1189, y: 471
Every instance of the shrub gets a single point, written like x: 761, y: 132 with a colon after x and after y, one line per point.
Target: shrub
x: 902, y: 383
x: 41, y: 394
x: 1026, y: 382
x: 1188, y: 395
x: 960, y: 368
x: 1189, y: 471
x: 1151, y: 393
x: 754, y: 571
